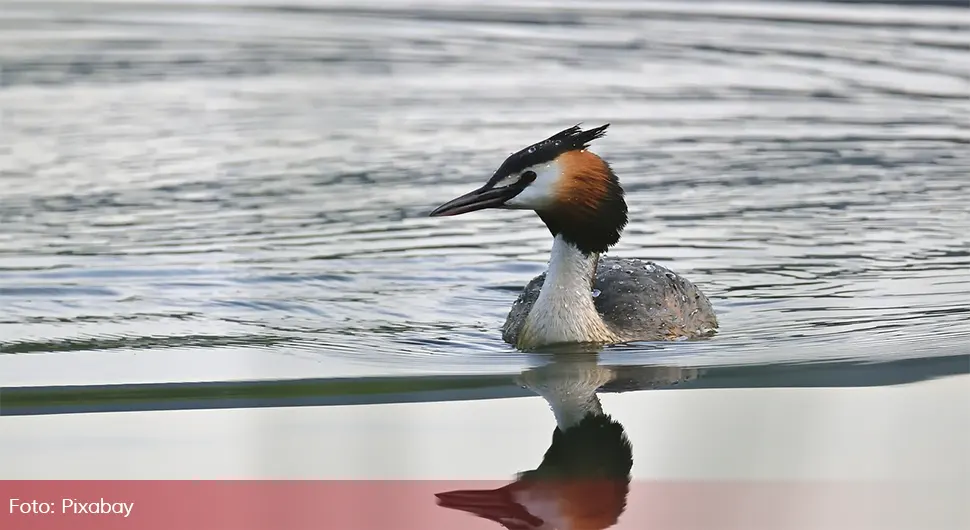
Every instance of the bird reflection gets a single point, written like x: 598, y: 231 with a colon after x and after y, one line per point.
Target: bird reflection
x: 584, y: 477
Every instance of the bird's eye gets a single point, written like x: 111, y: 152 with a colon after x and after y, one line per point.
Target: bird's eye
x: 527, y: 178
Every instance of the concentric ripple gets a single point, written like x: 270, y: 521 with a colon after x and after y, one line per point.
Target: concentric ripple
x: 241, y: 188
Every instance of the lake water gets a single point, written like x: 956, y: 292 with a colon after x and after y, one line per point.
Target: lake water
x: 239, y: 190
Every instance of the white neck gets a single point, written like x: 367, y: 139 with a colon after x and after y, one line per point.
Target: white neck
x: 569, y: 386
x: 564, y: 311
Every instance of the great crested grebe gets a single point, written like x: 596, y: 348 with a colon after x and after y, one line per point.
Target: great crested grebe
x: 582, y: 298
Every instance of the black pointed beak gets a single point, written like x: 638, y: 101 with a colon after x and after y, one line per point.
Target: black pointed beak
x: 476, y: 200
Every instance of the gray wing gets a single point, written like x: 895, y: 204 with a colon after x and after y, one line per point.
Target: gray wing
x: 520, y: 309
x: 641, y: 300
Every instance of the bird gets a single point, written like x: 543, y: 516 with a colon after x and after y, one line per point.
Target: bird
x: 584, y: 297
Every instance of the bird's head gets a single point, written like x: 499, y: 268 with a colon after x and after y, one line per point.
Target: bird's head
x: 574, y: 191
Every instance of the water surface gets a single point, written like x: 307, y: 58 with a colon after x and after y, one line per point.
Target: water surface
x: 240, y: 189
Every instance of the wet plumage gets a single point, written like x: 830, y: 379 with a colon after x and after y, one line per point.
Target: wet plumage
x: 637, y: 300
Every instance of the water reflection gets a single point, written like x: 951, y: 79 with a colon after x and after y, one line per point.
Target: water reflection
x: 584, y: 477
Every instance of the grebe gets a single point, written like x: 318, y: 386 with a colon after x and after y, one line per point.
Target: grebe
x: 582, y: 298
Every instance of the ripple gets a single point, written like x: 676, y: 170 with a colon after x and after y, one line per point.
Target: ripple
x: 265, y: 187
x: 64, y: 291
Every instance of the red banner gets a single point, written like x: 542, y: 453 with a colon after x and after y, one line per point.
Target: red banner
x: 470, y: 505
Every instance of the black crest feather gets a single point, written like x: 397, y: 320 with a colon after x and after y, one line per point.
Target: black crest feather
x: 571, y: 139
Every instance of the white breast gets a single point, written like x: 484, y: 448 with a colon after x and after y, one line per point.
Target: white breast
x: 564, y: 311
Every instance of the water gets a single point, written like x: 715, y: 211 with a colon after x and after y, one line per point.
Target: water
x: 234, y: 189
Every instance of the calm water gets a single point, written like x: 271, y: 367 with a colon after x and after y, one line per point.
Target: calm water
x: 229, y: 190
